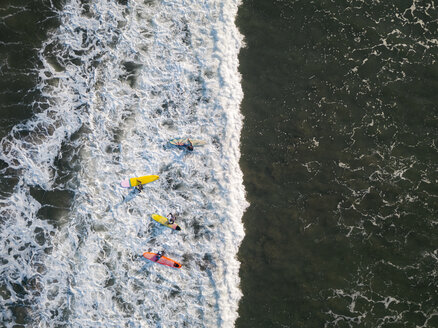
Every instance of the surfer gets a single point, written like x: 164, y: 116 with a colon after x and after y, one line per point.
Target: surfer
x: 159, y: 255
x: 139, y: 187
x: 189, y: 145
x: 171, y: 218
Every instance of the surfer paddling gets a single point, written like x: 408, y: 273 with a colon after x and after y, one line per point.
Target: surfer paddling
x: 171, y: 218
x: 139, y: 187
x: 159, y: 255
x: 189, y: 145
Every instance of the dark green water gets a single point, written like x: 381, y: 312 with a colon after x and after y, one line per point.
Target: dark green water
x: 339, y: 153
x: 23, y: 27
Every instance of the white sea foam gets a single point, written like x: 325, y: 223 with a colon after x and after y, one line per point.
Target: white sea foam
x: 125, y: 79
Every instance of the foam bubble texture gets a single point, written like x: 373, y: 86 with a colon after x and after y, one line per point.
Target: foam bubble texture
x: 123, y: 80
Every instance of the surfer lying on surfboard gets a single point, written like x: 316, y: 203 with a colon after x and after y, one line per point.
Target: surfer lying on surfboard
x: 139, y: 187
x: 189, y: 145
x: 186, y: 143
x: 159, y: 255
x: 171, y: 218
x: 161, y: 259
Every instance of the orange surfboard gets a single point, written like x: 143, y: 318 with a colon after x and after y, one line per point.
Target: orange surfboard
x: 163, y: 260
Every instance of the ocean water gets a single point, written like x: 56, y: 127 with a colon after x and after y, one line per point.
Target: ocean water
x: 91, y: 93
x: 313, y: 203
x: 339, y: 154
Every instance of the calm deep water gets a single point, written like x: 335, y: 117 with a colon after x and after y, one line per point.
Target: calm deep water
x: 339, y: 154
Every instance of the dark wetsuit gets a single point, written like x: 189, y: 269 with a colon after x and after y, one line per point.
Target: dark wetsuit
x: 159, y: 255
x: 139, y: 187
x: 171, y: 218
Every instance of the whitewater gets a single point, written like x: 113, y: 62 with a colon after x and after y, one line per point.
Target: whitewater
x: 118, y: 79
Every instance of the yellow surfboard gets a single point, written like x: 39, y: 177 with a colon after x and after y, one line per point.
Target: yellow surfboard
x: 128, y: 183
x: 165, y: 221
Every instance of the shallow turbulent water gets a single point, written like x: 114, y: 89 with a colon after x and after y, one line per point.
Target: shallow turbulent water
x: 116, y: 81
x: 339, y: 152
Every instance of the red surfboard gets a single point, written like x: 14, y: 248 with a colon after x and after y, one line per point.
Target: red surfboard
x: 163, y: 260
